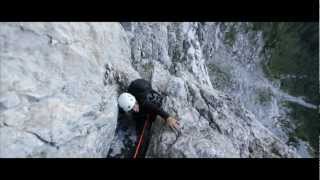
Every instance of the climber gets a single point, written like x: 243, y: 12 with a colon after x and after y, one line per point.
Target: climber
x: 145, y: 104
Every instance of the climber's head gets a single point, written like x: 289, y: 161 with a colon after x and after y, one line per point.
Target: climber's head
x: 128, y: 102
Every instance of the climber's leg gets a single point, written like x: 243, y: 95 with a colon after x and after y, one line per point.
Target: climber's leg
x: 147, y: 135
x: 139, y: 119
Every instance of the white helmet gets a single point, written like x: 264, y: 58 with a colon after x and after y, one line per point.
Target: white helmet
x: 126, y: 101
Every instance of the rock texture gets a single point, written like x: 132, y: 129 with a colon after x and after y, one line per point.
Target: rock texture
x: 54, y: 100
x: 60, y: 82
x: 214, y: 124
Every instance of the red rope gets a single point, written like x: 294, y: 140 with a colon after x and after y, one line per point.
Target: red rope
x: 141, y: 138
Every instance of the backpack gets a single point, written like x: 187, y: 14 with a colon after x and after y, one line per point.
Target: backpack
x: 154, y: 98
x: 139, y: 86
x: 142, y: 90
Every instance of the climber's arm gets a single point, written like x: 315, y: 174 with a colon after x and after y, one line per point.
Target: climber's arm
x: 171, y: 122
x: 158, y: 110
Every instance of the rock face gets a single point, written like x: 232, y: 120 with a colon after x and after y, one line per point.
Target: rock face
x: 60, y: 82
x: 54, y: 100
x: 214, y: 124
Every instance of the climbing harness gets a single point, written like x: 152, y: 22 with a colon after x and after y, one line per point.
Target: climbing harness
x: 141, y: 138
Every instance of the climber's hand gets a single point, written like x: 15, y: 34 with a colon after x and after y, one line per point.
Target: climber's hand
x: 173, y: 123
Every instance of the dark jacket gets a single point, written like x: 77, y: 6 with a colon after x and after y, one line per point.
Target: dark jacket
x: 149, y: 100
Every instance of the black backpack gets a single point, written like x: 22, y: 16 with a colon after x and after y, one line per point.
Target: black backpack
x: 154, y: 97
x: 139, y: 86
x: 142, y: 89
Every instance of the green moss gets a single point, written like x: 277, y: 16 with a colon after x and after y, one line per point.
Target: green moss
x: 264, y: 96
x: 145, y: 70
x: 294, y: 52
x: 176, y: 54
x: 307, y: 122
x: 293, y: 48
x: 219, y: 78
x: 147, y: 66
x: 230, y: 36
